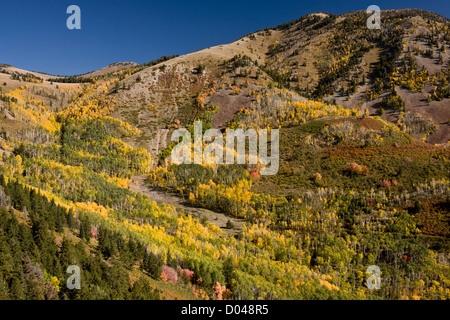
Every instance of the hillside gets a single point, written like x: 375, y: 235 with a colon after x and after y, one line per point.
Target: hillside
x: 86, y: 178
x: 118, y: 66
x: 320, y: 56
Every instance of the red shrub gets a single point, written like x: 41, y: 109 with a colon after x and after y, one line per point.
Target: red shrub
x: 388, y: 184
x: 169, y: 274
x: 385, y: 183
x: 186, y: 273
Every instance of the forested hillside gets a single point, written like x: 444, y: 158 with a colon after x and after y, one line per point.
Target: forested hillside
x: 363, y: 177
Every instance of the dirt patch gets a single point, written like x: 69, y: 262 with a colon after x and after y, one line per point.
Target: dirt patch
x: 369, y: 123
x: 11, y: 127
x: 365, y: 122
x: 229, y: 105
x: 437, y: 111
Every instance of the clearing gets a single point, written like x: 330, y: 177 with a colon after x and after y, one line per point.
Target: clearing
x: 163, y: 197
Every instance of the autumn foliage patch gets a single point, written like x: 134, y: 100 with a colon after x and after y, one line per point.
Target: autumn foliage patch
x: 169, y: 274
x: 354, y: 168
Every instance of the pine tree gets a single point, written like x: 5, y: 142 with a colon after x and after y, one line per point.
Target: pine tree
x: 4, y: 292
x: 84, y: 230
x: 152, y: 264
x: 70, y: 219
x: 34, y: 280
x: 229, y: 272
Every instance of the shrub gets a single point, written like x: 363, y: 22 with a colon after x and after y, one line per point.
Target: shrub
x: 388, y: 184
x: 385, y: 184
x: 186, y: 274
x: 169, y: 274
x: 220, y: 291
x: 354, y: 168
x: 393, y: 101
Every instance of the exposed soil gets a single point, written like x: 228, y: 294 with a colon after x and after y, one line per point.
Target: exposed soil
x: 229, y: 105
x: 368, y: 123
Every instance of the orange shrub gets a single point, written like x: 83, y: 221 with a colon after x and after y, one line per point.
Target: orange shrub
x: 354, y: 168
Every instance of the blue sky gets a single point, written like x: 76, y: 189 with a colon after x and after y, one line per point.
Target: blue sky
x: 34, y: 36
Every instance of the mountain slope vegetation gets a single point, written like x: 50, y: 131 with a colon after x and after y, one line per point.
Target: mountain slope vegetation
x: 363, y: 178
